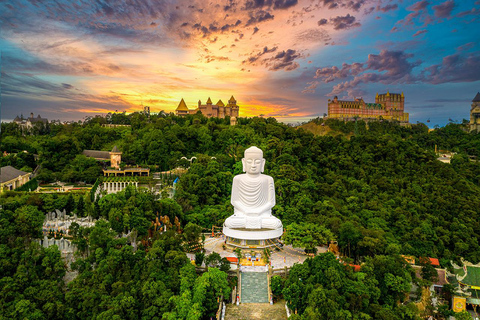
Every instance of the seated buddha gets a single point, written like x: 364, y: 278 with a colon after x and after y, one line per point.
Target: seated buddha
x: 253, y: 195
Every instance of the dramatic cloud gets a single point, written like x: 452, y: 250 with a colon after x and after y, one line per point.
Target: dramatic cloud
x: 277, y: 4
x: 284, y: 4
x: 330, y: 74
x: 104, y: 54
x: 418, y: 8
x: 345, y: 22
x: 311, y: 87
x: 419, y: 32
x: 322, y: 22
x: 444, y: 10
x: 387, y: 8
x: 389, y: 67
x: 284, y: 60
x: 454, y: 68
x: 259, y: 16
x: 254, y: 57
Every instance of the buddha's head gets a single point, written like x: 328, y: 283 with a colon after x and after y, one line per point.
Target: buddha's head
x: 253, y: 162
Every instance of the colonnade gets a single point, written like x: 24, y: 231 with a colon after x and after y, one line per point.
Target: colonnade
x: 112, y: 187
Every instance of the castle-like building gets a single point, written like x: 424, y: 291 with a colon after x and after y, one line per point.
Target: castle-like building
x: 475, y: 113
x: 387, y: 106
x: 218, y: 110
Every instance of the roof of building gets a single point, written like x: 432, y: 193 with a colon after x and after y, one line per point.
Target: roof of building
x: 105, y: 155
x: 182, y: 106
x: 477, y: 98
x: 432, y: 261
x: 220, y: 103
x: 472, y: 277
x: 8, y: 173
x: 17, y: 118
x: 232, y: 99
x: 115, y: 149
x: 209, y: 101
x: 232, y: 259
x: 37, y: 119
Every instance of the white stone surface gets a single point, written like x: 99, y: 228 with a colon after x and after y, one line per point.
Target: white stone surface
x: 247, y: 234
x: 253, y: 197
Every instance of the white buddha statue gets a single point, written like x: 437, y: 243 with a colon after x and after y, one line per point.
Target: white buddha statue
x: 253, y: 195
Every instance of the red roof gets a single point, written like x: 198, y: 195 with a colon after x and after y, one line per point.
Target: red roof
x: 355, y: 267
x: 232, y: 259
x: 433, y: 261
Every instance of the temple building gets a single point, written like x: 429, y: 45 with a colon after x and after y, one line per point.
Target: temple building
x: 475, y: 113
x: 387, y: 106
x: 209, y: 110
x: 466, y: 281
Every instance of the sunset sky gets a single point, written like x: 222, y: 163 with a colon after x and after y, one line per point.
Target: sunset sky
x: 283, y: 58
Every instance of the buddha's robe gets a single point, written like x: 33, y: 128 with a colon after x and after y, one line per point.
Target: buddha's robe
x: 253, y: 199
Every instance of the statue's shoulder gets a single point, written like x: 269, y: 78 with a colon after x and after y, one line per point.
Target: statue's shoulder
x: 240, y: 176
x: 267, y: 177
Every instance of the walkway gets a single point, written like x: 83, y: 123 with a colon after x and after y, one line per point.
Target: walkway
x: 254, y: 287
x: 256, y: 311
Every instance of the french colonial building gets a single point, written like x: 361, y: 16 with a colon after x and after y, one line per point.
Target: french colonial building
x: 218, y: 110
x: 30, y: 121
x: 11, y: 178
x: 387, y: 106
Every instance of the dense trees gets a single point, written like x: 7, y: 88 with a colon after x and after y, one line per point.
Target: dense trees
x: 324, y: 288
x: 377, y: 190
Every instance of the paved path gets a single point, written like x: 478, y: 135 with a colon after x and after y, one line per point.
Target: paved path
x: 256, y: 311
x: 254, y: 287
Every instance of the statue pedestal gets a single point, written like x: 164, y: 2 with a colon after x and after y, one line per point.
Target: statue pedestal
x: 252, y: 238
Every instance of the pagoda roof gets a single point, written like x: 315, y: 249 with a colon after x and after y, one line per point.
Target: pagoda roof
x: 220, y: 103
x: 209, y: 101
x: 182, y: 106
x: 472, y: 277
x: 477, y: 98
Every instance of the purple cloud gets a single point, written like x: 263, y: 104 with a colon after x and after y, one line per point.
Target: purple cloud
x: 311, y: 87
x: 454, y: 68
x: 330, y: 74
x: 386, y: 67
x: 387, y: 8
x: 258, y: 17
x: 284, y: 60
x: 418, y: 9
x: 419, y: 32
x: 444, y: 10
x: 322, y: 22
x: 344, y: 22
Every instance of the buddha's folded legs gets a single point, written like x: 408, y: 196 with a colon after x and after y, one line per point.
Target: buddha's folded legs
x: 234, y: 222
x: 271, y: 223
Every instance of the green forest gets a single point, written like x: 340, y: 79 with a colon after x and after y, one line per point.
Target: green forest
x: 377, y: 189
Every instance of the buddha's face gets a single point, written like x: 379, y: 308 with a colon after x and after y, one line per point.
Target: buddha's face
x: 253, y: 163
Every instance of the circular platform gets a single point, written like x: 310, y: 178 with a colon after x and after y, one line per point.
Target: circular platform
x: 252, y: 238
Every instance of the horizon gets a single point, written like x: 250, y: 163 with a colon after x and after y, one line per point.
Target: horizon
x: 282, y: 59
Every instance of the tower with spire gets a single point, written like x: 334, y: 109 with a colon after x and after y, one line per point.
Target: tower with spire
x: 475, y: 113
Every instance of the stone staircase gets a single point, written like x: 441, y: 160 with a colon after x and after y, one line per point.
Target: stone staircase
x: 254, y: 287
